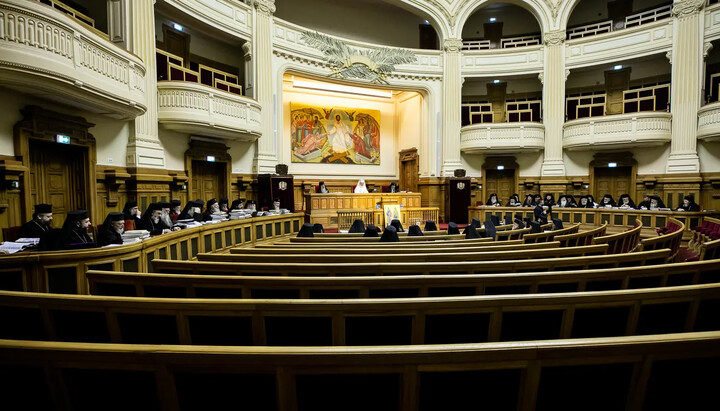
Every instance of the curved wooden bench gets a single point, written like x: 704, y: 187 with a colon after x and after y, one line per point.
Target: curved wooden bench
x: 439, y: 248
x: 359, y: 239
x: 401, y: 233
x: 670, y: 241
x: 582, y: 237
x: 475, y: 242
x: 136, y: 320
x: 410, y: 268
x: 511, y: 234
x: 223, y: 286
x: 550, y: 235
x: 704, y: 233
x: 625, y: 242
x: 710, y: 250
x: 449, y: 257
x: 673, y: 371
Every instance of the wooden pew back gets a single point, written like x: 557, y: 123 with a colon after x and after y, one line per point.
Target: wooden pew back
x: 582, y: 237
x: 410, y: 268
x: 439, y: 248
x: 625, y: 242
x: 674, y: 371
x: 55, y: 317
x: 223, y: 286
x: 670, y: 241
x: 449, y: 257
x: 550, y: 235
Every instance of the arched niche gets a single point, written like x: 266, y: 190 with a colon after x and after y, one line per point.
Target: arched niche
x: 536, y: 8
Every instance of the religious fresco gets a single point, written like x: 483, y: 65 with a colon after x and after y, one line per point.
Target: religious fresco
x: 334, y: 135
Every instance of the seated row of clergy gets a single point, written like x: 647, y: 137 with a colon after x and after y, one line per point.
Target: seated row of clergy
x: 650, y: 202
x: 360, y: 188
x: 158, y: 218
x: 389, y: 234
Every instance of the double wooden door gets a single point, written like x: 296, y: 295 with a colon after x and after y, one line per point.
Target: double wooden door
x: 57, y: 175
x: 409, y: 170
x: 208, y: 180
x: 615, y: 181
x: 501, y: 182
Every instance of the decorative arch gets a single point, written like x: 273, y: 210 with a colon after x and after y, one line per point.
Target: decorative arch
x: 565, y: 11
x: 436, y: 15
x: 537, y: 8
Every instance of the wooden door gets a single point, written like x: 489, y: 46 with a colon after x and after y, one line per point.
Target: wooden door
x: 57, y: 177
x: 409, y: 170
x: 614, y: 181
x: 208, y: 180
x: 501, y: 182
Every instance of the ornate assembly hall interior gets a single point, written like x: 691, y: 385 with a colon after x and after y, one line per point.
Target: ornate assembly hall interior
x: 414, y: 205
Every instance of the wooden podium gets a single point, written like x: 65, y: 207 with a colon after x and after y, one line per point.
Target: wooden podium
x: 271, y: 186
x: 459, y: 200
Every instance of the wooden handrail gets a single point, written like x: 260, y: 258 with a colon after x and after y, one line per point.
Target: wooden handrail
x: 85, y: 20
x: 624, y: 242
x: 425, y: 268
x: 582, y: 237
x: 550, y: 235
x: 670, y: 240
x: 223, y: 82
x: 213, y: 286
x: 434, y: 248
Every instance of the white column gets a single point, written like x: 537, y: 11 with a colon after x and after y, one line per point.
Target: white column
x: 144, y: 148
x: 120, y: 28
x: 553, y: 78
x: 687, y: 83
x: 452, y: 96
x: 263, y: 88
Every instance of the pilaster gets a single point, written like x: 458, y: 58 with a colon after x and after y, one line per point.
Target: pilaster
x: 144, y: 148
x: 262, y: 43
x: 687, y: 78
x: 452, y: 96
x: 553, y: 78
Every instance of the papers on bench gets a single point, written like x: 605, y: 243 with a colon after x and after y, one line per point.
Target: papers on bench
x: 132, y: 236
x: 13, y: 247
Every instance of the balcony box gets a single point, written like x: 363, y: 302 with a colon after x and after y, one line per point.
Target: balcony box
x: 502, y: 137
x: 618, y: 131
x: 709, y: 122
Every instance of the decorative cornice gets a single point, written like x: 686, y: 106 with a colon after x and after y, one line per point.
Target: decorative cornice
x: 247, y: 50
x: 452, y: 45
x: 265, y: 6
x: 688, y: 8
x: 554, y: 38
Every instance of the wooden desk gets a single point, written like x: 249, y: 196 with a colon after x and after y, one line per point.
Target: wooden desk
x: 323, y: 208
x: 617, y: 219
x: 64, y: 271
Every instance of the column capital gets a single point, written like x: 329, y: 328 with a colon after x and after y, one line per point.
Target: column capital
x: 554, y: 38
x: 452, y: 45
x: 687, y: 8
x: 265, y: 6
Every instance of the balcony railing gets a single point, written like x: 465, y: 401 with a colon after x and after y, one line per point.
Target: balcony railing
x: 523, y: 111
x: 585, y: 105
x: 506, y: 43
x: 476, y: 113
x: 86, y: 21
x: 634, y: 20
x: 649, y: 98
x: 172, y: 67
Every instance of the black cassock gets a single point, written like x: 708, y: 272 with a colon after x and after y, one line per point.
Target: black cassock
x: 33, y: 229
x: 106, y: 237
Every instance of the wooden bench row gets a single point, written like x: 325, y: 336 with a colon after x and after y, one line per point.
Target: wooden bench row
x: 282, y: 268
x: 623, y: 242
x: 373, y: 249
x: 581, y: 238
x: 490, y: 254
x: 674, y: 371
x: 222, y: 286
x: 135, y: 320
x: 669, y: 240
x: 548, y: 236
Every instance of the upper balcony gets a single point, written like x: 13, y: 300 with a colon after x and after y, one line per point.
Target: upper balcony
x: 709, y: 122
x: 521, y: 130
x: 205, y: 101
x: 58, y: 55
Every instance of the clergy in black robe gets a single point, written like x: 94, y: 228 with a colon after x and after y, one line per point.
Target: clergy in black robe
x: 237, y: 204
x: 430, y: 226
x: 471, y: 232
x: 688, y: 205
x: 191, y: 212
x: 414, y: 230
x: 535, y: 227
x: 371, y: 231
x: 74, y: 231
x: 152, y: 222
x: 357, y: 227
x: 398, y: 226
x: 607, y: 201
x: 626, y: 202
x: 557, y: 224
x: 40, y: 223
x: 176, y: 208
x: 166, y: 208
x: 130, y: 212
x: 223, y: 205
x: 306, y: 231
x: 318, y: 228
x: 389, y: 235
x: 111, y: 230
x: 474, y: 223
x: 453, y: 228
x: 212, y: 207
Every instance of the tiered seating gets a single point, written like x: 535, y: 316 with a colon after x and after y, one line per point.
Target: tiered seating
x: 581, y: 238
x: 422, y: 324
x: 547, y: 236
x: 624, y: 242
x: 669, y: 238
x: 709, y: 230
